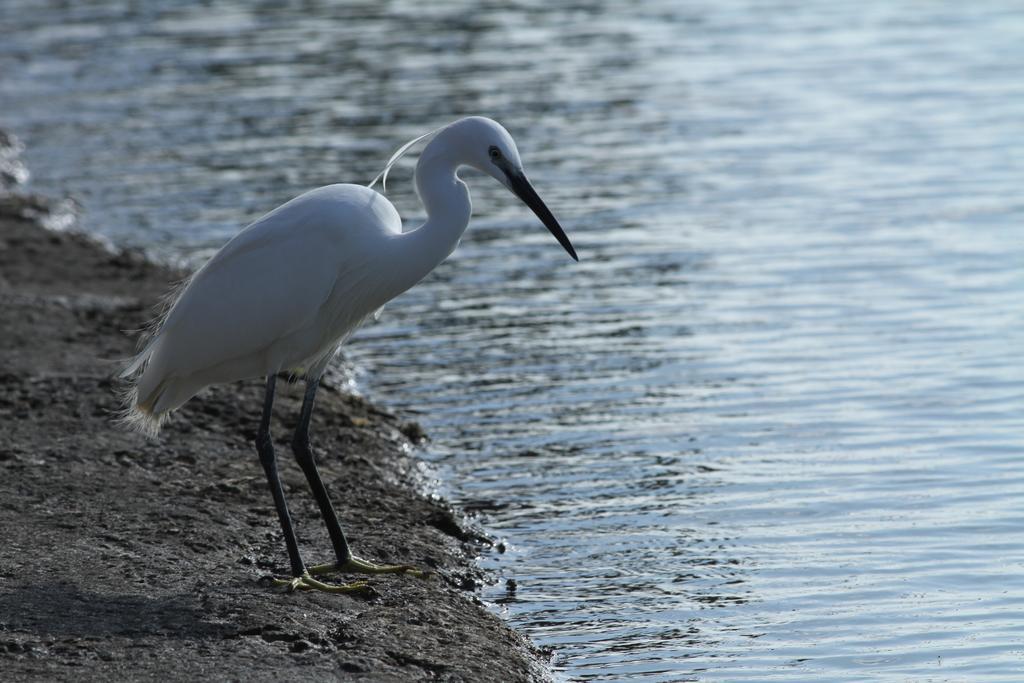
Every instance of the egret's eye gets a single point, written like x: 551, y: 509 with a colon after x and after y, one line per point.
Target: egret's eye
x: 495, y: 153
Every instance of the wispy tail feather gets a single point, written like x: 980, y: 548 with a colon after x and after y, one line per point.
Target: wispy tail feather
x: 139, y: 417
x: 143, y: 408
x: 136, y: 363
x: 139, y: 399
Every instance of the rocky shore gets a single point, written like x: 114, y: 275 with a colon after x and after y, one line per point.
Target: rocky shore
x: 123, y: 558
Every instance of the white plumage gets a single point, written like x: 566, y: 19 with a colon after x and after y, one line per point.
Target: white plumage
x: 287, y: 290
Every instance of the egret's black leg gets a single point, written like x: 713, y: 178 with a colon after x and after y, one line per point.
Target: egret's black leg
x: 306, y: 460
x: 345, y: 561
x: 265, y: 447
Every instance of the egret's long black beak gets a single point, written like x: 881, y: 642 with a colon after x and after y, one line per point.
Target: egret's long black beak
x: 518, y: 183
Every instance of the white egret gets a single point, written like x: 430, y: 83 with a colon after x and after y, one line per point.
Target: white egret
x: 283, y: 294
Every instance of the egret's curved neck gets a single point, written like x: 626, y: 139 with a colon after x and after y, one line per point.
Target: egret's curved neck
x: 446, y: 199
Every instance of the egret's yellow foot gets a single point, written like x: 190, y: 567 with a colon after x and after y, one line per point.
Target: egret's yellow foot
x: 355, y: 565
x: 308, y: 583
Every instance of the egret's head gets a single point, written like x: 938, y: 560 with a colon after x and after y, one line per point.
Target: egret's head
x: 486, y: 146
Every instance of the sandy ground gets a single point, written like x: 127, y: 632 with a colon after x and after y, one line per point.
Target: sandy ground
x: 127, y: 559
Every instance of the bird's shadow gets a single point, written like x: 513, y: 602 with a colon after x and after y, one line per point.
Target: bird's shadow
x: 62, y: 610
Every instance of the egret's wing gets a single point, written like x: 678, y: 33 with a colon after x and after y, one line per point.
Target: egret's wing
x: 271, y: 280
x: 242, y: 305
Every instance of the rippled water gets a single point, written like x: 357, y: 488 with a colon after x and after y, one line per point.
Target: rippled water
x: 771, y: 426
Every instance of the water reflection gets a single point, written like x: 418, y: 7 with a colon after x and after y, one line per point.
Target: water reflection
x: 769, y: 426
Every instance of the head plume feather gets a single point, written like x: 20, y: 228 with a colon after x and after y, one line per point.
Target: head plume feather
x: 383, y: 175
